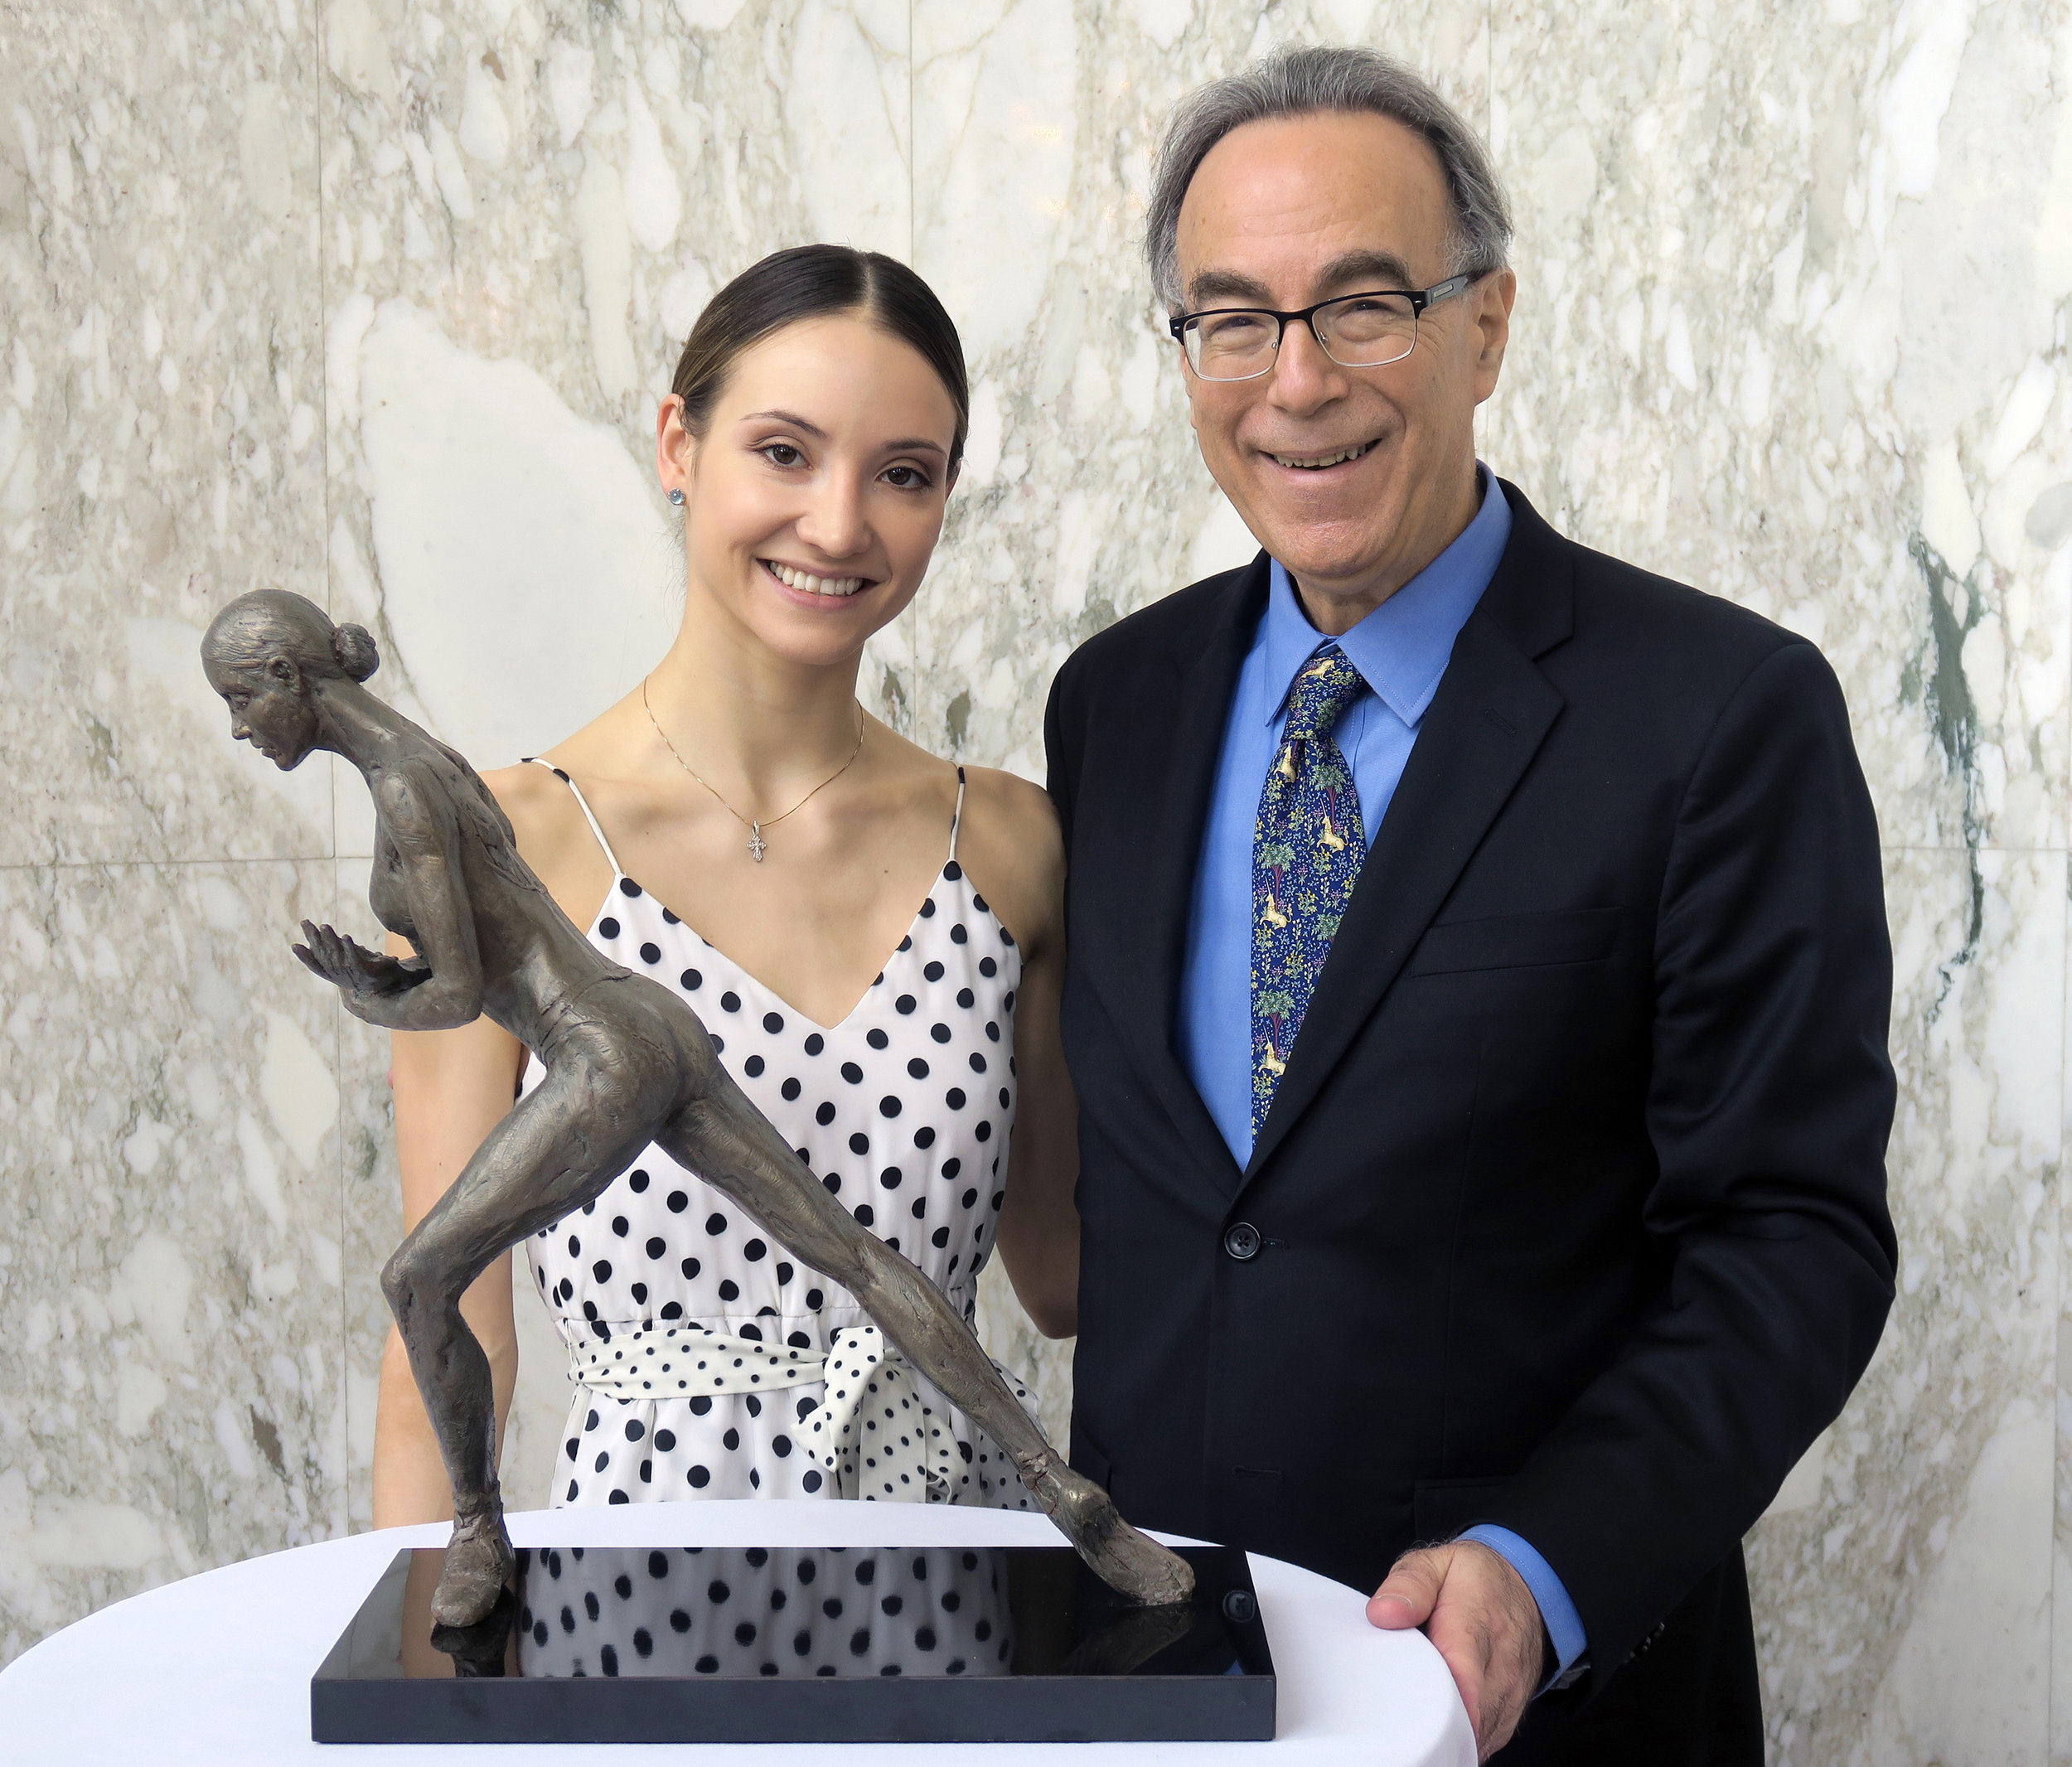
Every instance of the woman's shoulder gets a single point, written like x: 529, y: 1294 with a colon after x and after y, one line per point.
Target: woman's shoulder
x: 547, y: 822
x: 1022, y: 810
x: 1008, y: 841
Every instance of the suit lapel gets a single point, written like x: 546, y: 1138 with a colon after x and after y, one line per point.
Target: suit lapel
x: 1146, y: 1004
x: 1493, y: 710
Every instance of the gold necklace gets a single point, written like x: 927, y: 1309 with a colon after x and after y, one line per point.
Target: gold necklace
x: 755, y: 826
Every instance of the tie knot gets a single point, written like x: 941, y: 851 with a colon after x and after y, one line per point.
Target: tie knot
x: 1323, y: 687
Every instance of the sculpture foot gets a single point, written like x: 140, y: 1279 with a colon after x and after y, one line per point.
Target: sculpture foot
x: 479, y: 1562
x: 1133, y: 1565
x: 479, y: 1650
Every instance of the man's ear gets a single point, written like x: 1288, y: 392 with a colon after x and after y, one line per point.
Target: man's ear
x: 1187, y: 384
x: 1493, y: 329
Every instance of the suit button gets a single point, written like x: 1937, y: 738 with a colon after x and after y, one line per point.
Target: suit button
x: 1243, y: 1241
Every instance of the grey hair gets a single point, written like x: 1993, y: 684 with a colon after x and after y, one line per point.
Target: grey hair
x: 1299, y: 82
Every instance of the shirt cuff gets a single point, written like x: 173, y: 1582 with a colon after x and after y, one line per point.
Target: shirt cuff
x: 1557, y: 1613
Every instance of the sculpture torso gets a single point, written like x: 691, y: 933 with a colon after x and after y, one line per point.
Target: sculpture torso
x: 531, y: 952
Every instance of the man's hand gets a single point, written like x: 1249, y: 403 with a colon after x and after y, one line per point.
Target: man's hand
x: 1477, y: 1610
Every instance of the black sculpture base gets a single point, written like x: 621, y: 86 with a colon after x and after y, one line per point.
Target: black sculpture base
x: 802, y: 1645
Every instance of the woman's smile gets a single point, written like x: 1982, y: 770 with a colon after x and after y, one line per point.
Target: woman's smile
x: 812, y: 587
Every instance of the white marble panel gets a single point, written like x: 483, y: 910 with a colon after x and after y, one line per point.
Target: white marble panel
x: 161, y: 444
x: 527, y: 205
x: 171, y: 1394
x: 1781, y: 334
x: 1905, y: 1573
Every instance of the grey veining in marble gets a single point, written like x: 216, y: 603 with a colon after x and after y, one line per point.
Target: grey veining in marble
x: 160, y: 441
x: 171, y: 1384
x: 372, y: 299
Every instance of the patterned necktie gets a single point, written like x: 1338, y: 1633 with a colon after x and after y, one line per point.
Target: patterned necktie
x: 1307, y: 846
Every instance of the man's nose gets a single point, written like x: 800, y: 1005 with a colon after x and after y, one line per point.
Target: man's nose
x: 1303, y: 377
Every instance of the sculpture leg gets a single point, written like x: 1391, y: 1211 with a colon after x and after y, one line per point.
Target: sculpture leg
x: 558, y: 1148
x: 725, y: 1140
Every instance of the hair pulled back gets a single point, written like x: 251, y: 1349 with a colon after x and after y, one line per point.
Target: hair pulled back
x: 267, y: 624
x: 813, y: 282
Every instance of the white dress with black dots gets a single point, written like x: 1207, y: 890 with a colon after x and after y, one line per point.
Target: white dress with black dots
x: 709, y: 1364
x: 825, y: 1612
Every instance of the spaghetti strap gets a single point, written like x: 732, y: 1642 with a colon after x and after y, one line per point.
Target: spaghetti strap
x: 583, y: 804
x: 956, y: 817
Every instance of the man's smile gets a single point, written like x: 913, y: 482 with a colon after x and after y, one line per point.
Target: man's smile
x: 1323, y: 461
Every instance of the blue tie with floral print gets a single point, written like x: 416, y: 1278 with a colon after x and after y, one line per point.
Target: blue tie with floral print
x: 1307, y: 848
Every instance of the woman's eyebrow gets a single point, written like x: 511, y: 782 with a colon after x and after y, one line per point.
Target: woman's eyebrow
x: 792, y: 418
x: 904, y: 445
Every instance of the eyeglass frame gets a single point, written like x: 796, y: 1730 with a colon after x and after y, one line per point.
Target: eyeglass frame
x: 1419, y: 298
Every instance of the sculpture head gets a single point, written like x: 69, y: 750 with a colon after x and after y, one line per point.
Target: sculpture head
x: 269, y: 654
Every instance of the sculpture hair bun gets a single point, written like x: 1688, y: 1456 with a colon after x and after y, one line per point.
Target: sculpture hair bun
x: 354, y: 647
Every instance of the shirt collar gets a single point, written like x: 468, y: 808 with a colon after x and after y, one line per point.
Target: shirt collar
x: 1402, y: 647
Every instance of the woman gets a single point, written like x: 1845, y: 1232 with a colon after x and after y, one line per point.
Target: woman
x: 868, y: 931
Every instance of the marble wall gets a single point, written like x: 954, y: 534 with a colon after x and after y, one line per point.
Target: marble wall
x: 373, y: 298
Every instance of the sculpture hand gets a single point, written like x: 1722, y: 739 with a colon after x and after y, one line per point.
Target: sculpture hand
x: 365, y: 976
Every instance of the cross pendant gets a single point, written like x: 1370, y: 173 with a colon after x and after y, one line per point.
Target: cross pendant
x: 756, y: 844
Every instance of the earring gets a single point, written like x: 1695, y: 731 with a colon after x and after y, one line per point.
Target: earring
x: 676, y: 495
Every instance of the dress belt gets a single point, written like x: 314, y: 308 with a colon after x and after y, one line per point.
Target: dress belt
x: 873, y: 1435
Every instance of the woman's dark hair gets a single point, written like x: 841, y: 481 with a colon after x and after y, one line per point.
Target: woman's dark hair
x: 810, y: 282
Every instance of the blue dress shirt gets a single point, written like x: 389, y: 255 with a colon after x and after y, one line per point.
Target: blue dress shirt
x: 1401, y: 650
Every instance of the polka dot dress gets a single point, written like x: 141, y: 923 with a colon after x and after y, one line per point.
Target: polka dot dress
x: 704, y: 1352
x: 826, y: 1612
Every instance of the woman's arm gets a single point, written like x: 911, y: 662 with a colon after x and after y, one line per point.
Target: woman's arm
x: 1012, y: 849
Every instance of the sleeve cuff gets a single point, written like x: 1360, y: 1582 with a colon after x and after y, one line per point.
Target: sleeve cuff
x: 1557, y: 1613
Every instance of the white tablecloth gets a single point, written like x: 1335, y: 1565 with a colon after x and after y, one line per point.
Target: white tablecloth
x: 216, y: 1670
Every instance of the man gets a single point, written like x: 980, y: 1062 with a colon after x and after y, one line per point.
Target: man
x: 1478, y: 984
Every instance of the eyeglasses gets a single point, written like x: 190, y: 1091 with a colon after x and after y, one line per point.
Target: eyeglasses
x: 1355, y: 330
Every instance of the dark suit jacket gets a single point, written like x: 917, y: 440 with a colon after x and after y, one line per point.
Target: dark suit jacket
x: 1572, y: 1200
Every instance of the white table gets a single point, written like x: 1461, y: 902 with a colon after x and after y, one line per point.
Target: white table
x: 216, y: 1670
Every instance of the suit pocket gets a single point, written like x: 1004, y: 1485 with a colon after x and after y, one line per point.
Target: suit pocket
x: 1517, y: 941
x: 1441, y: 1507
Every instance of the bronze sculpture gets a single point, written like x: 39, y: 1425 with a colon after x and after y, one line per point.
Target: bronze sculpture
x: 627, y: 1063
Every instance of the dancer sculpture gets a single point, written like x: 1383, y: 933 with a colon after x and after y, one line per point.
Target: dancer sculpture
x: 627, y: 1063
